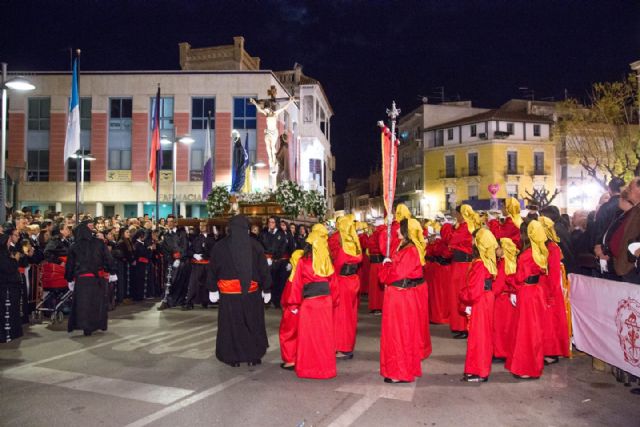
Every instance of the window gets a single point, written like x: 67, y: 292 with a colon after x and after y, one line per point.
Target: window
x: 450, y: 166
x: 315, y: 171
x: 512, y: 162
x: 473, y: 164
x: 85, y: 114
x: 165, y: 120
x: 538, y: 163
x: 449, y: 134
x: 71, y: 170
x: 512, y: 190
x: 536, y: 130
x: 474, y: 130
x: 119, y: 139
x: 510, y: 128
x: 38, y: 165
x: 473, y: 192
x: 200, y: 108
x: 307, y: 106
x: 244, y: 121
x: 39, y: 113
x: 439, y: 138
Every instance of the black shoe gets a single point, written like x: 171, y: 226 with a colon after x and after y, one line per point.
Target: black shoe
x: 498, y: 359
x: 187, y: 307
x: 87, y: 333
x: 205, y: 306
x: 550, y: 360
x: 342, y: 355
x: 255, y: 362
x: 474, y: 379
x: 390, y: 381
x: 288, y: 368
x: 461, y: 335
x: 235, y: 364
x: 163, y: 306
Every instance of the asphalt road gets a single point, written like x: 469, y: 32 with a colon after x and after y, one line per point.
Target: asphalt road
x: 158, y: 369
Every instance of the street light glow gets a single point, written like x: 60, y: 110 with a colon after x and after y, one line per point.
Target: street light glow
x: 20, y: 83
x: 186, y: 139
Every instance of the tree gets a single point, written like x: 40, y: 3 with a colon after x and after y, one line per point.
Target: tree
x: 601, y: 136
x: 540, y: 197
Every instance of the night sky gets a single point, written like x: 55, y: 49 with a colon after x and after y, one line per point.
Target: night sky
x: 365, y: 53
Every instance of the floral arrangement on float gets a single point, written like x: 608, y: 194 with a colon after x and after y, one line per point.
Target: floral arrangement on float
x: 218, y: 200
x: 315, y: 204
x: 290, y: 196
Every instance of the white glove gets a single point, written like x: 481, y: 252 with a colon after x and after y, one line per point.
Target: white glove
x: 289, y: 267
x: 71, y: 285
x: 269, y: 261
x: 468, y: 310
x: 294, y: 310
x: 266, y: 297
x: 176, y: 263
x: 197, y: 257
x: 113, y: 278
x: 214, y: 297
x: 386, y: 260
x: 512, y: 297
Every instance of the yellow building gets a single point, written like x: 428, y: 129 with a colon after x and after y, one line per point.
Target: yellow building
x: 509, y: 146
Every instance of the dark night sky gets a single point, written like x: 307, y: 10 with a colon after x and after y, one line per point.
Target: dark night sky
x: 365, y: 53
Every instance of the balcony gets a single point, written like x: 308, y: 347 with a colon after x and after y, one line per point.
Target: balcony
x: 514, y: 171
x: 448, y: 174
x: 541, y: 171
x: 471, y: 172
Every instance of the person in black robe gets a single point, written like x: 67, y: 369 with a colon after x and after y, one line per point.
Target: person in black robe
x: 175, y: 245
x: 142, y: 285
x: 10, y: 287
x: 239, y: 278
x: 87, y: 258
x: 199, y: 250
x: 276, y: 246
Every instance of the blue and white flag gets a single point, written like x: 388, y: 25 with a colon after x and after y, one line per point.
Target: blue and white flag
x: 207, y: 169
x: 72, y: 139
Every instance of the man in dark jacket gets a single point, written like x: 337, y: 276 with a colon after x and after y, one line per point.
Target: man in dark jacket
x: 276, y: 245
x: 609, y: 211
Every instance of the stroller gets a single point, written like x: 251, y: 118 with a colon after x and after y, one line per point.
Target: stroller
x: 58, y: 294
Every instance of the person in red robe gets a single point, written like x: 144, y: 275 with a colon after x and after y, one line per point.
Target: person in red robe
x: 313, y: 298
x: 346, y: 254
x: 401, y: 343
x: 461, y: 246
x: 502, y: 290
x: 438, y: 279
x: 363, y: 270
x: 510, y: 228
x: 478, y: 297
x: 556, y: 329
x: 376, y: 294
x: 526, y: 359
x: 289, y: 320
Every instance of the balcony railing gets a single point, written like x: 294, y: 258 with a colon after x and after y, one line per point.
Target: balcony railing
x: 448, y: 173
x: 467, y: 172
x: 543, y: 171
x: 517, y: 170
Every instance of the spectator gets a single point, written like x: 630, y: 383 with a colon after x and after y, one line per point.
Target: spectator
x: 608, y: 210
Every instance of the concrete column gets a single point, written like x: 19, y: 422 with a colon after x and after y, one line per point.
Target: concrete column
x: 99, y: 209
x: 58, y: 207
x: 140, y: 209
x: 183, y: 209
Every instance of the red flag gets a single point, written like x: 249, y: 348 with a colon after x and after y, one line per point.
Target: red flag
x: 388, y: 182
x: 155, y: 142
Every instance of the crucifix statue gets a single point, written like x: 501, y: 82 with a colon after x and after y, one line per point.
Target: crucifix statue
x: 268, y: 107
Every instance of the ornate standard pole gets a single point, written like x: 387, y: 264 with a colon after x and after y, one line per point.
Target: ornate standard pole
x: 393, y: 114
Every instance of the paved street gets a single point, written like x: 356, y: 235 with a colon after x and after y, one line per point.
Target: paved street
x: 157, y: 368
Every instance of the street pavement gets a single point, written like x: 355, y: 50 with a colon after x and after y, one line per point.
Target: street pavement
x: 156, y: 368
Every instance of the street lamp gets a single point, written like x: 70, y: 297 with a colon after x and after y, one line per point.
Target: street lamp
x: 81, y: 157
x: 15, y: 83
x: 187, y: 140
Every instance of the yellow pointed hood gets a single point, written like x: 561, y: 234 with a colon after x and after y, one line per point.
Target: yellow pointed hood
x: 487, y: 244
x: 322, y: 265
x: 510, y: 254
x: 348, y: 235
x: 470, y: 217
x: 549, y: 228
x: 402, y: 212
x: 538, y: 238
x: 417, y: 238
x: 295, y: 257
x: 512, y: 206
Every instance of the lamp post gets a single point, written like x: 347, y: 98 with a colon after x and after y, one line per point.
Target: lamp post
x: 81, y: 157
x: 16, y: 83
x: 187, y: 140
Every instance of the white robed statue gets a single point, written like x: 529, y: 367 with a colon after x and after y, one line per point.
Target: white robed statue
x: 268, y: 108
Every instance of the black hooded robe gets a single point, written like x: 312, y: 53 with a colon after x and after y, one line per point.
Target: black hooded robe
x: 87, y: 257
x: 242, y: 334
x: 10, y: 293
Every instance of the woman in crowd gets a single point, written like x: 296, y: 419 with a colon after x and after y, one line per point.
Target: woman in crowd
x: 301, y: 236
x: 125, y: 256
x: 142, y: 284
x: 526, y: 358
x: 10, y: 286
x: 401, y: 342
x: 314, y: 296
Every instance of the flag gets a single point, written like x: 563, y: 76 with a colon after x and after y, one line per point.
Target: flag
x: 389, y: 170
x: 72, y: 138
x: 155, y: 162
x: 246, y: 188
x: 240, y: 159
x: 207, y: 169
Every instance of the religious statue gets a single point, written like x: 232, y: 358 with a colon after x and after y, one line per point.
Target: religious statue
x: 282, y: 156
x: 240, y: 160
x: 268, y: 107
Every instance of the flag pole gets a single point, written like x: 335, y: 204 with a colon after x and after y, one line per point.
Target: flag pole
x: 213, y: 163
x: 157, y: 177
x: 393, y: 113
x: 79, y: 160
